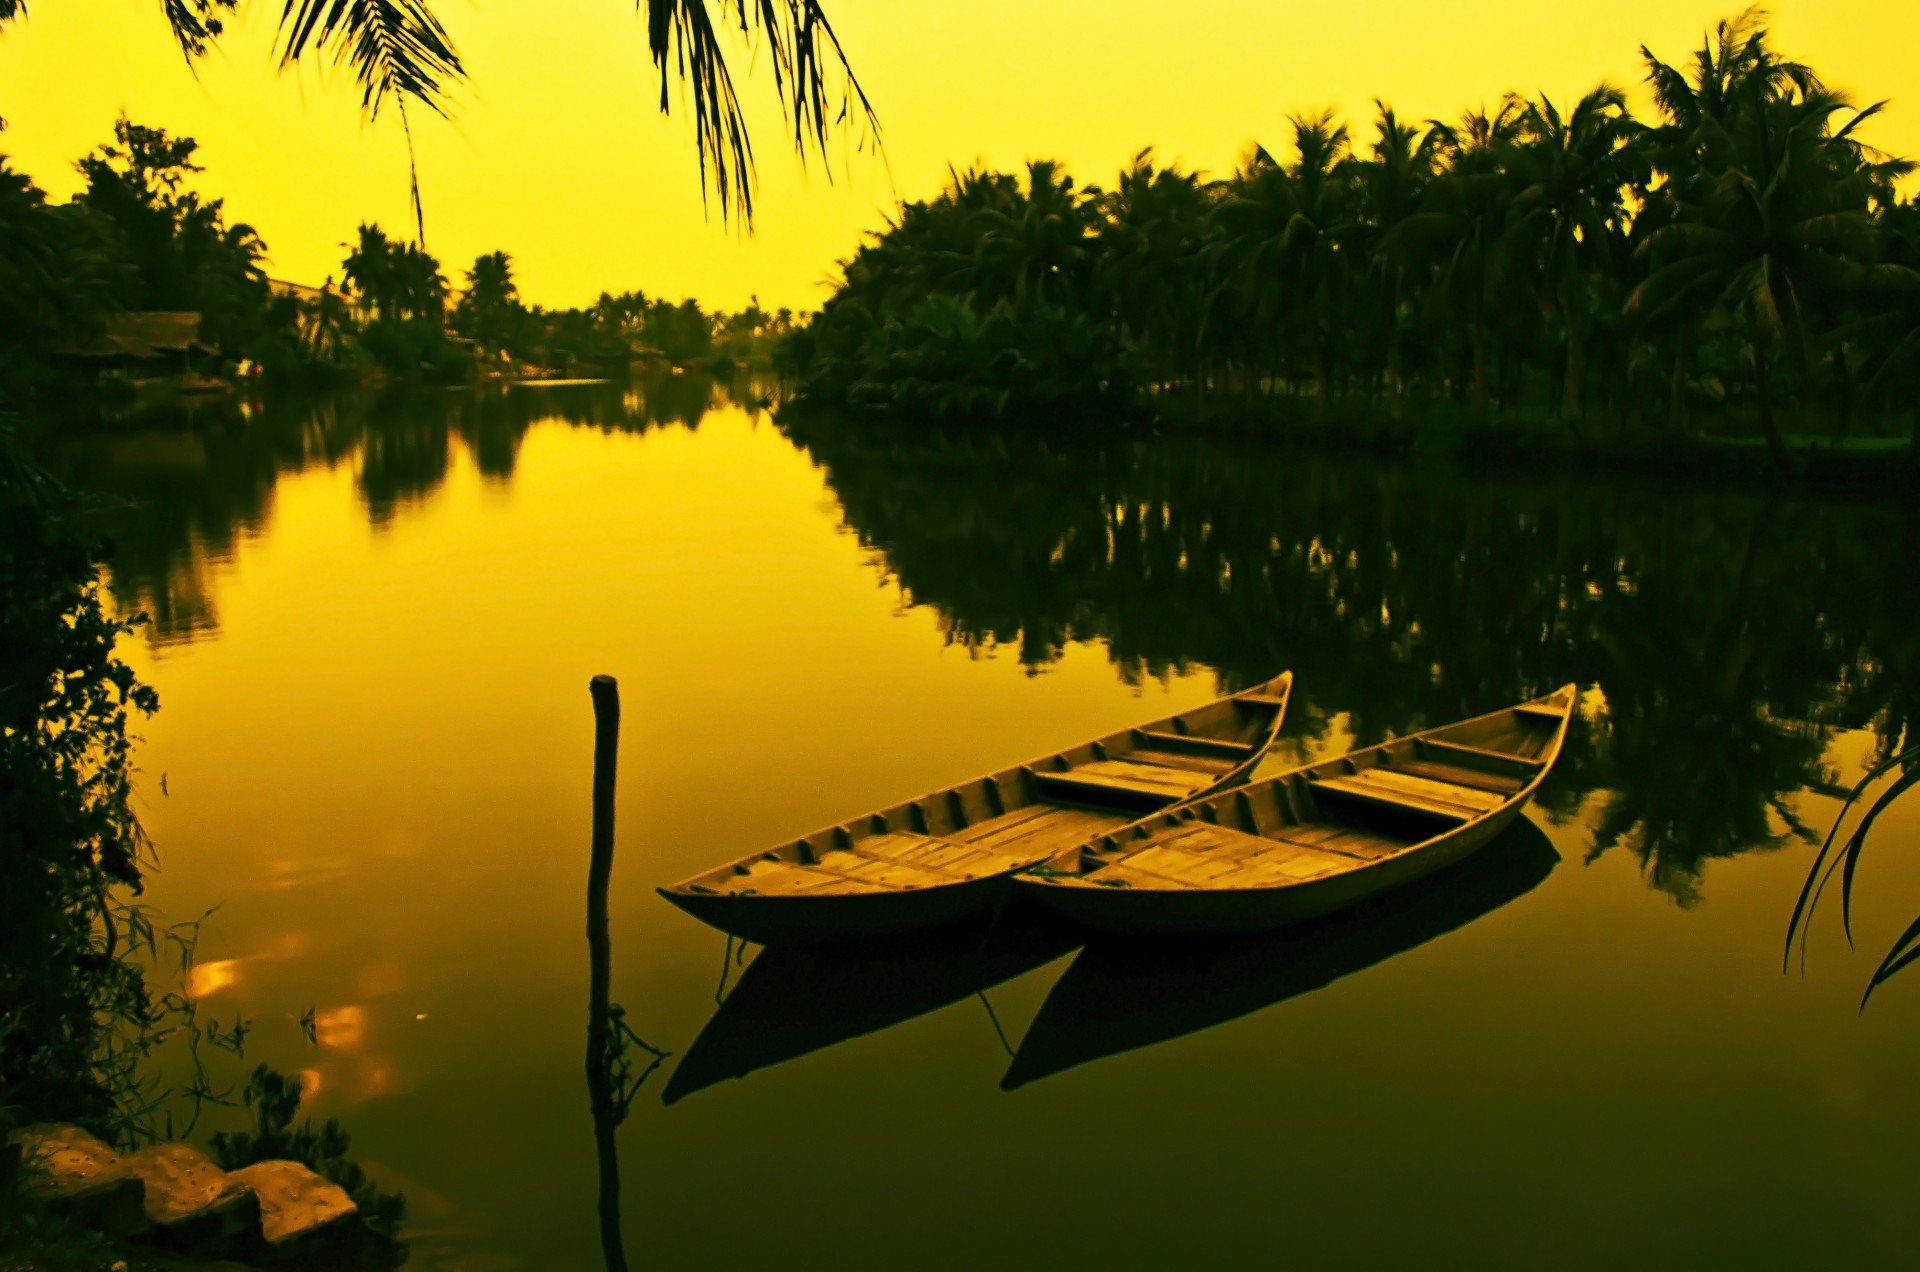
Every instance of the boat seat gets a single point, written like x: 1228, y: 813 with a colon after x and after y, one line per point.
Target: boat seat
x: 1261, y: 700
x: 1479, y: 757
x: 1353, y: 786
x: 1194, y: 742
x: 1556, y: 714
x: 1456, y: 775
x: 1122, y: 781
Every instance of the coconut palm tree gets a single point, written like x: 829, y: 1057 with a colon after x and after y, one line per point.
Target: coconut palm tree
x: 1389, y: 186
x: 1151, y: 229
x: 370, y: 270
x: 1783, y: 226
x: 1573, y: 174
x: 1465, y: 222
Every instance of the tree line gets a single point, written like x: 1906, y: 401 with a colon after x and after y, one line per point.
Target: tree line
x: 138, y: 237
x: 1744, y: 251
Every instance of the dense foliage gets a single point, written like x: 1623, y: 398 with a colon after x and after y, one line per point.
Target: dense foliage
x: 69, y: 844
x: 1744, y: 247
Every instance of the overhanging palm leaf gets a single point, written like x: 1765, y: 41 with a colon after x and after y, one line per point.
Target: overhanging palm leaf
x: 397, y: 50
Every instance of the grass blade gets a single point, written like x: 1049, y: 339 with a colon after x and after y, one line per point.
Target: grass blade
x: 1858, y: 842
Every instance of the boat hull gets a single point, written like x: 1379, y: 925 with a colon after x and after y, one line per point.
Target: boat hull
x: 1240, y: 912
x: 783, y: 920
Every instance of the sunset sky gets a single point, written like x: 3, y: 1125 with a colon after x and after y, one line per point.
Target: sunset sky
x: 557, y: 155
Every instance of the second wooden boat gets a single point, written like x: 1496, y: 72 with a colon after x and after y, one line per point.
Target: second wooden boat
x: 948, y: 856
x: 1304, y: 843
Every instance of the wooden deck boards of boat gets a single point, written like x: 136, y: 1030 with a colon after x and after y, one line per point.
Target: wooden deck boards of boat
x: 1213, y: 765
x: 1405, y: 790
x: 1202, y: 855
x: 1457, y: 775
x: 1038, y: 831
x: 1127, y: 777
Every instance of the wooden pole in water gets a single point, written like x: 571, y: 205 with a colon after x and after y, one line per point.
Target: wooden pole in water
x: 606, y: 747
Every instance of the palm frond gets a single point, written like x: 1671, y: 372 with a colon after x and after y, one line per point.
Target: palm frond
x: 806, y: 54
x: 397, y: 49
x: 195, y: 24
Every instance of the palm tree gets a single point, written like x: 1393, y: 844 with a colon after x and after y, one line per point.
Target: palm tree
x: 370, y: 270
x: 491, y: 308
x: 1151, y: 228
x: 1783, y: 225
x: 1466, y: 219
x: 1390, y: 185
x: 1573, y: 174
x: 1037, y: 245
x: 419, y: 287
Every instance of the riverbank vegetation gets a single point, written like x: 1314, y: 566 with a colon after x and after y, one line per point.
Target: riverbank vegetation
x: 140, y: 277
x: 1741, y: 263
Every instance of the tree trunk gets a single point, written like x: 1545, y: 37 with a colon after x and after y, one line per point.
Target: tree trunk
x: 1479, y: 358
x: 1844, y: 373
x: 1326, y: 376
x: 1570, y: 401
x: 1677, y: 394
x: 1776, y: 445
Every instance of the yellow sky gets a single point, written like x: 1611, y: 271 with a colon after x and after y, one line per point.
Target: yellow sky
x: 557, y: 155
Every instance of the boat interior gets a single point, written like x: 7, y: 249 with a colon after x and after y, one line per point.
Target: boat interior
x: 1009, y: 820
x: 1330, y: 817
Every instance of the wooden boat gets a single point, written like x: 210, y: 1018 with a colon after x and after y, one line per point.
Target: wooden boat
x: 1304, y: 843
x: 948, y: 856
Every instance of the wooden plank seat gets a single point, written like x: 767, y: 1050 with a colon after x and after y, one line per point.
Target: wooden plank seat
x: 1356, y: 786
x: 1261, y: 700
x: 896, y: 861
x: 1190, y: 743
x: 1480, y: 757
x: 1202, y: 855
x: 1191, y: 763
x: 1454, y: 774
x: 1107, y: 781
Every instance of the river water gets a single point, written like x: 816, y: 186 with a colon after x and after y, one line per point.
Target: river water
x: 374, y: 620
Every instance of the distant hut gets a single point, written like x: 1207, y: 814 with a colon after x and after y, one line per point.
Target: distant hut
x: 145, y: 345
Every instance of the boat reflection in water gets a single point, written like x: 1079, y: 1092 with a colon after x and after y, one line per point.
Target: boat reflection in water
x: 794, y: 1000
x: 1120, y: 995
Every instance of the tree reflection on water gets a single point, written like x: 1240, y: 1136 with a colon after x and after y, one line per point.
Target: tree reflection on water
x: 1720, y: 637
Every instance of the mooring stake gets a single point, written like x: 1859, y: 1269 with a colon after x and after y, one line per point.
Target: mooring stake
x: 606, y: 748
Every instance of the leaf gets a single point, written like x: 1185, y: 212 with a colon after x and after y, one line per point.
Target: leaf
x: 1816, y: 881
x: 1895, y: 960
x: 1859, y: 841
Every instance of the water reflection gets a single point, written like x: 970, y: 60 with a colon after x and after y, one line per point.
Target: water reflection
x: 198, y: 480
x: 1118, y: 996
x: 1720, y: 638
x: 792, y: 1001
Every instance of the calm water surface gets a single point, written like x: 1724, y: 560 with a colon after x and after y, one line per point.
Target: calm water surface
x: 374, y: 626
